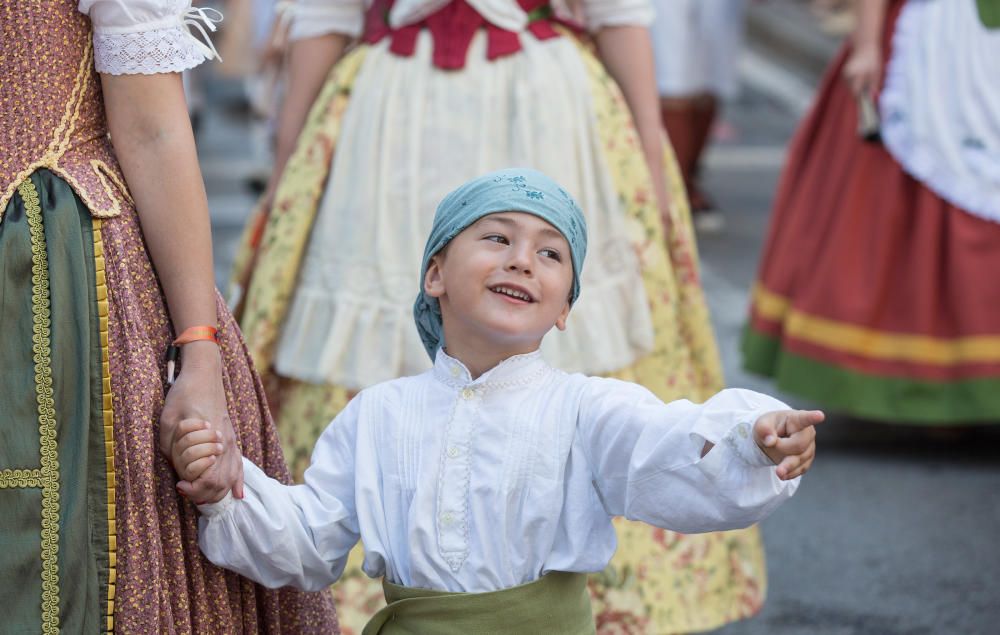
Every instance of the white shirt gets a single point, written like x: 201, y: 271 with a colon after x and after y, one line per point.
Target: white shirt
x: 463, y: 485
x: 149, y: 36
x: 311, y: 18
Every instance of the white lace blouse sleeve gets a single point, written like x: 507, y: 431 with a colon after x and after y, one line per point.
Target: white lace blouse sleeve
x: 134, y: 37
x: 647, y: 463
x: 601, y: 13
x: 290, y: 535
x: 312, y: 18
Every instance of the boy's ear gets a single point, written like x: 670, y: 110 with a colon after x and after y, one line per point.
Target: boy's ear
x: 433, y: 280
x: 563, y: 315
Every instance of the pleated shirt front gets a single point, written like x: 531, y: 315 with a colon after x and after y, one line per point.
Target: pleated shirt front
x: 477, y: 485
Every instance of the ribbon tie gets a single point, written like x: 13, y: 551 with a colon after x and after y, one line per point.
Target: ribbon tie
x: 201, y: 19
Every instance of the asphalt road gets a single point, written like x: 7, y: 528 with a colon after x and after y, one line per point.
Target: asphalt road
x: 896, y: 529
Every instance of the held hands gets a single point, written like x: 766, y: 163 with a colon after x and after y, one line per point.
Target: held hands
x: 195, y: 431
x: 788, y: 438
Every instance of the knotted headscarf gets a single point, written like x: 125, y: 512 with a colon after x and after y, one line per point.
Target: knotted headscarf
x: 510, y: 190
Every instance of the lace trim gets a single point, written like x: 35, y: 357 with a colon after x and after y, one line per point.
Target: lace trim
x: 168, y: 50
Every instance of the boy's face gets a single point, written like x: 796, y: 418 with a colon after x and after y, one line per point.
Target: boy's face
x: 505, y: 281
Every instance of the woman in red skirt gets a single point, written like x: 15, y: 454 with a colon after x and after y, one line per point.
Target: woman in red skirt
x: 878, y: 292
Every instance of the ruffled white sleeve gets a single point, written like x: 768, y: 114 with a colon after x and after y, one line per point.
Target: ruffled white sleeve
x: 601, y: 13
x: 290, y: 535
x: 133, y: 37
x: 647, y: 463
x: 312, y: 18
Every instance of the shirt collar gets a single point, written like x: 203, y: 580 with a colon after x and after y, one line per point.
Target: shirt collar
x: 513, y: 371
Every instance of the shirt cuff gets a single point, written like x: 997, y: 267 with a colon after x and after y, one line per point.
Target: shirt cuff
x: 740, y: 440
x: 211, y: 510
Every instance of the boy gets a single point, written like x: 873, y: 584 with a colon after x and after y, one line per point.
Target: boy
x: 483, y: 489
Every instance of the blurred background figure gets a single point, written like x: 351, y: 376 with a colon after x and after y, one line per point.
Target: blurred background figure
x: 696, y: 44
x: 878, y: 293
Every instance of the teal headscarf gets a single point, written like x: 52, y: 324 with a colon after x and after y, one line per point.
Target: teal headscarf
x: 510, y: 190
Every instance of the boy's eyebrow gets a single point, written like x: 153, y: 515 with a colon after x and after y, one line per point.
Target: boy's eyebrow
x: 549, y: 232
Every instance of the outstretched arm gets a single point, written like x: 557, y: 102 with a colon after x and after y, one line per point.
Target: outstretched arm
x: 151, y: 132
x: 681, y: 466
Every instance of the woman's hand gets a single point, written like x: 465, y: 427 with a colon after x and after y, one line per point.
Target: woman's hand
x: 863, y: 70
x: 198, y: 396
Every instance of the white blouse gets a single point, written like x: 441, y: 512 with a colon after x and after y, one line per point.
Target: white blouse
x: 150, y: 36
x: 477, y: 485
x: 311, y: 18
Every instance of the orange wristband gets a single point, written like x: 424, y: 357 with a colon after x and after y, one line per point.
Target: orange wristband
x: 197, y: 334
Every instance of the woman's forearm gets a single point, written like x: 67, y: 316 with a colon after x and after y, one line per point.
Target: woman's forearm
x: 309, y: 64
x: 151, y: 132
x: 627, y: 53
x: 870, y: 21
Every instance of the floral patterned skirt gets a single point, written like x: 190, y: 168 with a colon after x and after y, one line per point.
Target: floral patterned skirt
x: 659, y: 581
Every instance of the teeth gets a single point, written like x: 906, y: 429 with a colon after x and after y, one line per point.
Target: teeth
x: 513, y: 293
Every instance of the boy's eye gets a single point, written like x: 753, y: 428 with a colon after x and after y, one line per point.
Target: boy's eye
x: 497, y: 238
x: 551, y: 253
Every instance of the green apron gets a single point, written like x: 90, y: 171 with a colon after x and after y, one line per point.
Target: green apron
x: 555, y: 604
x: 55, y: 559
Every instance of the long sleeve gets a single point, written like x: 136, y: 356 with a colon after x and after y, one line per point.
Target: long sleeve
x: 647, y: 463
x: 150, y: 36
x: 299, y: 535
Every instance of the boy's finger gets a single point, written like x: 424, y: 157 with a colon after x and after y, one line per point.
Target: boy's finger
x: 804, y: 465
x: 197, y: 467
x: 199, y: 451
x: 187, y: 426
x: 801, y: 419
x: 796, y: 443
x: 195, y: 438
x: 788, y: 465
x: 764, y: 429
x: 801, y: 469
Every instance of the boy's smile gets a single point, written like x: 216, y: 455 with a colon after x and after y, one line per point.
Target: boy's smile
x: 502, y: 284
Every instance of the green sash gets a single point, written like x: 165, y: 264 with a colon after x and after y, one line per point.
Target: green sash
x: 556, y: 604
x: 989, y: 13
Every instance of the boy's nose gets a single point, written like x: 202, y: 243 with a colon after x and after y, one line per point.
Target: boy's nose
x: 520, y: 260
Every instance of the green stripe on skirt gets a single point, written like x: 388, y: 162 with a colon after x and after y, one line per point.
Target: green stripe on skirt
x: 884, y: 398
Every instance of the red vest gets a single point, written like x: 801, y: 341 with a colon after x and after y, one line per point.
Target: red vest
x: 453, y: 27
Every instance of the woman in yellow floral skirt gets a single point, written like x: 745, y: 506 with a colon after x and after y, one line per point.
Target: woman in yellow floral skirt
x: 437, y: 92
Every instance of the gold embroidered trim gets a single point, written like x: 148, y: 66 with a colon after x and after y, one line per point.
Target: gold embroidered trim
x: 61, y: 139
x: 11, y: 479
x: 108, y: 410
x: 42, y: 348
x: 105, y: 173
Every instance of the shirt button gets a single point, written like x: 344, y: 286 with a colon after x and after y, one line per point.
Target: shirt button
x: 743, y: 431
x: 452, y: 451
x: 455, y: 371
x: 446, y: 518
x: 468, y: 393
